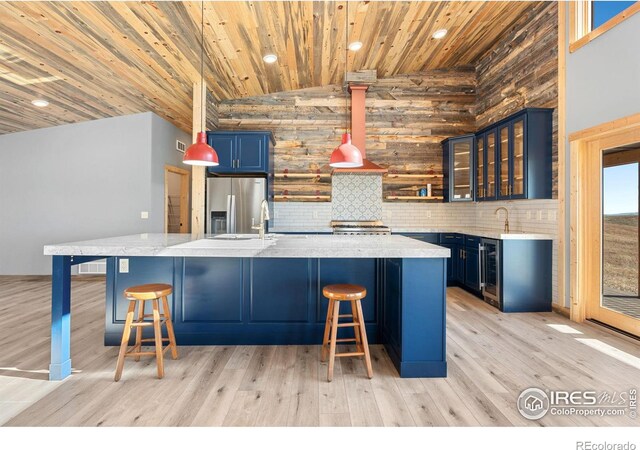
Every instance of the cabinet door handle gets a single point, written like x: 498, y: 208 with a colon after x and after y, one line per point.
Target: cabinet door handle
x: 480, y: 258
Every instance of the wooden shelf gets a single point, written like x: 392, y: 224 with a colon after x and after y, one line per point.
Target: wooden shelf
x: 414, y: 175
x: 412, y: 197
x: 301, y: 175
x: 302, y: 197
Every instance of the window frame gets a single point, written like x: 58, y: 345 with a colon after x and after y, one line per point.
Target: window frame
x: 580, y: 32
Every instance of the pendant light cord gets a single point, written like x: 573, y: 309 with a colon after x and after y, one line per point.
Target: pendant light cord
x: 347, y: 128
x: 202, y: 100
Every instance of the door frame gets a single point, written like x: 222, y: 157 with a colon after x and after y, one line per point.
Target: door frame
x: 586, y: 150
x: 185, y: 178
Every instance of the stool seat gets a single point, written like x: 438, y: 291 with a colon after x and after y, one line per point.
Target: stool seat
x: 344, y: 292
x: 138, y: 296
x: 352, y: 293
x: 148, y: 291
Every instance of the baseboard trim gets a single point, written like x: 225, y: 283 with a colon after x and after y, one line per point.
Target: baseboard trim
x: 91, y: 277
x: 562, y: 310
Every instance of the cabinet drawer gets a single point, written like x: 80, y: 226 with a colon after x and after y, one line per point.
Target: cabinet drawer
x: 471, y: 241
x: 451, y: 238
x: 431, y: 238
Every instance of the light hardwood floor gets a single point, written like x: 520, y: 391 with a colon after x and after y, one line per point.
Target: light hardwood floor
x: 492, y: 358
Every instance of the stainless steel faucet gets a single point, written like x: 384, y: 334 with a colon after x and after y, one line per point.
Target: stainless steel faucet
x: 506, y: 217
x: 264, y: 216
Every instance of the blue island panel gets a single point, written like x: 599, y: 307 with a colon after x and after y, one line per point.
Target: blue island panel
x: 281, y: 290
x: 212, y: 290
x: 279, y: 301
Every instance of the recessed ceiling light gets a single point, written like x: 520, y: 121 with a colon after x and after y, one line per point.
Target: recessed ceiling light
x: 355, y: 46
x: 439, y: 34
x: 40, y: 103
x: 269, y: 59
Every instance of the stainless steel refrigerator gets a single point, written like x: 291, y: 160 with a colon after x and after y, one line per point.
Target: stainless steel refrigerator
x: 233, y: 204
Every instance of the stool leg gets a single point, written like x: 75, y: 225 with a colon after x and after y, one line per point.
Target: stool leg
x: 126, y: 333
x: 334, y: 338
x: 356, y: 332
x: 158, y: 337
x: 327, y: 328
x: 139, y: 330
x: 172, y: 337
x: 365, y: 344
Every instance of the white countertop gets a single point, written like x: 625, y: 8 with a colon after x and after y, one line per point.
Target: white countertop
x: 482, y: 232
x: 278, y: 246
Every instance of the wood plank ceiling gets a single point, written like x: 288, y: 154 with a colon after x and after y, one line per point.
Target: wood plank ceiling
x: 101, y: 59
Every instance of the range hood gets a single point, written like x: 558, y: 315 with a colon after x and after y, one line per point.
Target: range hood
x: 358, y: 131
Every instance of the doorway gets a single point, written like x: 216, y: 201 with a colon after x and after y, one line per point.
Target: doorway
x: 620, y: 249
x: 605, y: 236
x: 176, y: 200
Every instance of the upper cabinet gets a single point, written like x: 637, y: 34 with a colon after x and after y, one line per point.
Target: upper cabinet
x: 458, y: 164
x: 241, y: 151
x: 513, y: 157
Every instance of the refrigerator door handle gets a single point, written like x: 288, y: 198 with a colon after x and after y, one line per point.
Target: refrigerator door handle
x: 231, y: 213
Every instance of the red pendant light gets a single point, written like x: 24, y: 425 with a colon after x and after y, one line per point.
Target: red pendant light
x: 200, y: 153
x: 346, y: 155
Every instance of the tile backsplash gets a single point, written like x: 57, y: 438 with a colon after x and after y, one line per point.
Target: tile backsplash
x: 356, y: 197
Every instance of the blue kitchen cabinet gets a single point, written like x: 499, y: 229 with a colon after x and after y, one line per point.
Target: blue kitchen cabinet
x: 472, y: 268
x: 514, y: 157
x: 392, y: 306
x: 431, y: 238
x: 454, y: 242
x: 224, y: 146
x: 458, y: 168
x: 471, y: 256
x: 241, y: 151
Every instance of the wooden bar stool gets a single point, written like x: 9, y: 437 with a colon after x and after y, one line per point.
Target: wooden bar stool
x: 138, y: 295
x: 351, y: 293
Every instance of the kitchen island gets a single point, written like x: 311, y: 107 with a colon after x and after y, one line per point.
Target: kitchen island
x: 245, y: 291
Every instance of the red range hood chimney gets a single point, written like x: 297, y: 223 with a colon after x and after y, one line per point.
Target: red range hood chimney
x: 358, y: 130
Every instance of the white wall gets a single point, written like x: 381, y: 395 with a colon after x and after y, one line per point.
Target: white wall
x: 603, y: 77
x: 602, y: 84
x: 79, y: 181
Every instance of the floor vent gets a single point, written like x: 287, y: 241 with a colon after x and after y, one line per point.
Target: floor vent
x: 93, y: 268
x: 181, y: 146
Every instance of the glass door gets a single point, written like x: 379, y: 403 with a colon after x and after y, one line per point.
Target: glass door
x: 480, y: 168
x: 503, y: 164
x: 518, y: 169
x: 619, y: 303
x: 462, y: 179
x: 491, y: 164
x: 490, y: 271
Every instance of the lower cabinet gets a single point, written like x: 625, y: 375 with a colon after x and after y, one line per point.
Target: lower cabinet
x: 472, y: 268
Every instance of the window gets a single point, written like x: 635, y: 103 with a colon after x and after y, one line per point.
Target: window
x: 590, y: 19
x: 603, y: 11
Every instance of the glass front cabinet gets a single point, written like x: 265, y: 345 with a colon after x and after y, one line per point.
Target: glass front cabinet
x: 513, y: 157
x: 459, y: 178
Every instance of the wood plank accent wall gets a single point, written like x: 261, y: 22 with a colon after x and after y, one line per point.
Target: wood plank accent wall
x: 522, y: 71
x: 407, y: 117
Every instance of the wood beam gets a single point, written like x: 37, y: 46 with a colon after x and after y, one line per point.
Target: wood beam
x: 562, y: 149
x: 198, y: 172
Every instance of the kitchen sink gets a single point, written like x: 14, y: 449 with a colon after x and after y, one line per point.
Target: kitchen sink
x: 241, y: 237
